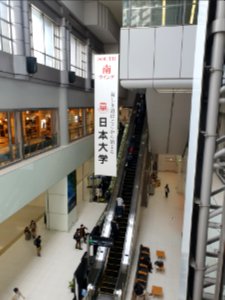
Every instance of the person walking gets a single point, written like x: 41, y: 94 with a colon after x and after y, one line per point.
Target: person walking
x: 77, y: 237
x: 33, y: 228
x: 167, y: 190
x: 37, y: 243
x: 27, y: 233
x: 83, y: 232
x: 17, y: 294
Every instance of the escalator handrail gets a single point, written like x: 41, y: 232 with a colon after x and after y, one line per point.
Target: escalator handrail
x: 102, y: 252
x: 129, y: 242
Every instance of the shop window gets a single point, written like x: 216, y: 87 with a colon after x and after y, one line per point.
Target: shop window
x: 76, y: 126
x: 39, y: 130
x: 89, y: 118
x: 45, y: 39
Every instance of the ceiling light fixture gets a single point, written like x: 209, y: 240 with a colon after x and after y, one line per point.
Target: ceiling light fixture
x: 193, y: 9
x: 163, y: 12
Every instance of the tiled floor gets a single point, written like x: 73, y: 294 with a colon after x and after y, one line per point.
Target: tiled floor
x: 160, y: 229
x: 47, y: 277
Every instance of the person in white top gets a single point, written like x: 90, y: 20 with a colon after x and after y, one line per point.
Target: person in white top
x: 119, y: 201
x: 18, y: 294
x: 119, y: 207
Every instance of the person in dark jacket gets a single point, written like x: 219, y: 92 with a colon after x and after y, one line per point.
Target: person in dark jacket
x: 77, y: 237
x: 81, y: 276
x: 83, y: 232
x: 114, y: 229
x: 167, y: 190
x: 37, y: 243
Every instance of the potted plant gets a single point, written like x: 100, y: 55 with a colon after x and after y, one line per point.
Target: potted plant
x: 71, y: 286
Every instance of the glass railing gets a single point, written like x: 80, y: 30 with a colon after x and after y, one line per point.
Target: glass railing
x: 75, y: 133
x: 13, y: 153
x: 155, y: 13
x: 38, y: 145
x: 9, y: 154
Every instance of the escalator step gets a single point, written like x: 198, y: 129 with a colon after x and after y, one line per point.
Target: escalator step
x: 113, y: 266
x: 115, y: 253
x: 112, y: 273
x: 106, y: 290
x: 108, y: 279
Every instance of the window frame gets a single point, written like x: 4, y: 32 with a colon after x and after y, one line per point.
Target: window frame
x: 8, y: 21
x: 80, y: 65
x: 57, y: 57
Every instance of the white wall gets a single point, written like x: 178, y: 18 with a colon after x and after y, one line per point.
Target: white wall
x: 24, y: 181
x: 76, y: 7
x: 157, y: 54
x: 168, y: 121
x: 57, y: 209
x: 23, y: 94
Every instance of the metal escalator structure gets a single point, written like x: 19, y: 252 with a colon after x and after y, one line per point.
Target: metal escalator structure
x: 209, y: 263
x: 111, y: 273
x: 112, y: 264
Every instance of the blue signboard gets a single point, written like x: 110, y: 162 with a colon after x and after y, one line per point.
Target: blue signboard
x: 72, y: 193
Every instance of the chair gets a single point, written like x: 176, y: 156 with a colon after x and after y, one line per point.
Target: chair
x: 145, y: 273
x: 160, y: 269
x: 157, y: 291
x: 160, y: 254
x: 141, y: 280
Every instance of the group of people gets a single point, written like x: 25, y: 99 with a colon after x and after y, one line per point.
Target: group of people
x: 79, y: 235
x: 102, y: 190
x: 30, y: 232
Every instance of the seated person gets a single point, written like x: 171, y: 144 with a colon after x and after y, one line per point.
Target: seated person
x: 139, y: 289
x: 159, y: 263
x: 146, y: 261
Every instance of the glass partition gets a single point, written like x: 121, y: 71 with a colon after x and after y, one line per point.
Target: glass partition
x: 39, y: 130
x: 89, y: 119
x: 80, y: 122
x: 76, y: 126
x: 10, y: 141
x: 145, y: 13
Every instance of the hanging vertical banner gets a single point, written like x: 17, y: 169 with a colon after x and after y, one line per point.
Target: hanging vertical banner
x: 106, y: 114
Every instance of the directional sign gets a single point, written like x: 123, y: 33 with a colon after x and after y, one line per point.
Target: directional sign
x: 101, y: 241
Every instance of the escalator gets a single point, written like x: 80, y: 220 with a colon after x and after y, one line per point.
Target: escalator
x: 109, y: 278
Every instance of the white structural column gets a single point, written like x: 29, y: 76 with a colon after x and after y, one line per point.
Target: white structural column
x: 26, y: 27
x: 17, y: 28
x: 63, y: 117
x: 57, y: 214
x: 65, y: 52
x: 18, y: 35
x: 217, y: 62
x: 89, y: 66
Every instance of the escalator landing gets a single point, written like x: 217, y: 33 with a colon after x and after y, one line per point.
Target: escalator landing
x: 105, y: 297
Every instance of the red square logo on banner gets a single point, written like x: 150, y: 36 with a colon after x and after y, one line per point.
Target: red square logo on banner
x: 106, y: 69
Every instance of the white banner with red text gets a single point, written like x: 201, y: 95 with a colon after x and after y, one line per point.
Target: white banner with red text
x: 106, y: 114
